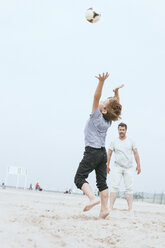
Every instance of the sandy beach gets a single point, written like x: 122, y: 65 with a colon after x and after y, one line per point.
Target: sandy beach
x: 46, y: 220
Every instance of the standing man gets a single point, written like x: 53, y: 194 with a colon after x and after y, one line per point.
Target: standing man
x: 123, y: 148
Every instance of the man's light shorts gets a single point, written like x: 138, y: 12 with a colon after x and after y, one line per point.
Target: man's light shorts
x: 117, y: 174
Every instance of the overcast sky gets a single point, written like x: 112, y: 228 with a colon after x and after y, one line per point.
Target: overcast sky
x: 49, y: 55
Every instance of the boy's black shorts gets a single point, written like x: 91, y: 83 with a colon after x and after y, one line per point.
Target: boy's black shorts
x: 93, y: 159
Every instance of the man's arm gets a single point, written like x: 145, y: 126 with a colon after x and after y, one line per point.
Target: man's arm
x: 98, y: 91
x: 109, y: 159
x: 116, y: 92
x: 137, y: 159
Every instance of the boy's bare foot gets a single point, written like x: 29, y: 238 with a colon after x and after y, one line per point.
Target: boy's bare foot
x: 91, y: 204
x: 103, y: 214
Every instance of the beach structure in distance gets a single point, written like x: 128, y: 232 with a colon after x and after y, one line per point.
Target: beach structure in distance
x: 18, y: 172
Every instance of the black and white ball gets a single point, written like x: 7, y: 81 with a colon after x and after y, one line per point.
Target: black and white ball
x: 92, y: 16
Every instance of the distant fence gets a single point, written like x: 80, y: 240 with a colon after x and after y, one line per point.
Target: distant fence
x: 158, y: 198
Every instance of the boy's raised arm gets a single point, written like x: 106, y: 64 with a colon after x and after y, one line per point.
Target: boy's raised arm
x: 98, y: 91
x: 116, y: 92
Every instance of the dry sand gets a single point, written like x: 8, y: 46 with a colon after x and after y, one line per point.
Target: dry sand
x: 46, y: 220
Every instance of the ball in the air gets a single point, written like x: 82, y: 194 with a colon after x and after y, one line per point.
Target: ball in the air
x: 92, y: 16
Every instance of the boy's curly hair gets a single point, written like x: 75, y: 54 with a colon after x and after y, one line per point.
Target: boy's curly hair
x: 113, y: 111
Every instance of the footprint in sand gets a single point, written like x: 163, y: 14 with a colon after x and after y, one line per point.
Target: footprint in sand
x: 82, y: 217
x: 14, y: 220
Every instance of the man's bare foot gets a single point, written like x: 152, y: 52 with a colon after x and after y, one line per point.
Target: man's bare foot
x: 103, y: 214
x: 91, y: 204
x: 131, y: 212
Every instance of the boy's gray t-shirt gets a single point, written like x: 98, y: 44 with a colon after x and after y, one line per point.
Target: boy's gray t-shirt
x: 96, y: 130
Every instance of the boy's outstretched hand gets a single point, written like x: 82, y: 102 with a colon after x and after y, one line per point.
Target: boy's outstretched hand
x: 116, y: 89
x: 102, y: 77
x: 116, y: 92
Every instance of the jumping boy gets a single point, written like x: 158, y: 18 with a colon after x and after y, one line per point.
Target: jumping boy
x: 95, y: 156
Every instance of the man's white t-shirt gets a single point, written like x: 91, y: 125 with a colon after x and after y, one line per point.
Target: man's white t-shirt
x: 123, y: 150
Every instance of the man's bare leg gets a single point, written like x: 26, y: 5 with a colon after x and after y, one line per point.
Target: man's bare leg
x: 129, y: 198
x: 104, y: 204
x: 112, y: 199
x: 86, y: 188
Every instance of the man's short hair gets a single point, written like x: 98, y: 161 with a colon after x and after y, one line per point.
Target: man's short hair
x: 122, y: 125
